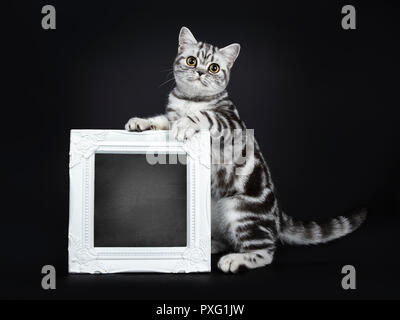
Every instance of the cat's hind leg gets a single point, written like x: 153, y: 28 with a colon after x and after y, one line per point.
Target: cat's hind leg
x: 256, y: 249
x: 251, y: 228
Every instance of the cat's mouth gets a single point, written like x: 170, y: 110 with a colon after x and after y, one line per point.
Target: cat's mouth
x: 197, y: 80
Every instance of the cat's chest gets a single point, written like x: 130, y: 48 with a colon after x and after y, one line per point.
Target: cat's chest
x: 186, y: 107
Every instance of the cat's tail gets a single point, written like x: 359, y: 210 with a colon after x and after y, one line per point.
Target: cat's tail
x: 305, y: 233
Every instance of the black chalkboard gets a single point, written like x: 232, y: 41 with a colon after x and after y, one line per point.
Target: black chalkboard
x: 138, y: 204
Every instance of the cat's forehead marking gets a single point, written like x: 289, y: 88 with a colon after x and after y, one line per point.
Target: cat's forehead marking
x: 206, y: 52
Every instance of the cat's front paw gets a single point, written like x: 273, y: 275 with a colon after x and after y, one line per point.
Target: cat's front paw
x: 184, y: 129
x: 138, y: 124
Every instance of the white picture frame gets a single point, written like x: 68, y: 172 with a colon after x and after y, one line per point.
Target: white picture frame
x: 84, y: 257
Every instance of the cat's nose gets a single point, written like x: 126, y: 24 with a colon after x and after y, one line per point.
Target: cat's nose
x: 200, y: 72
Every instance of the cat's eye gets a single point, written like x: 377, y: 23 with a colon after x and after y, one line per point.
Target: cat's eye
x: 191, y: 61
x: 214, y: 68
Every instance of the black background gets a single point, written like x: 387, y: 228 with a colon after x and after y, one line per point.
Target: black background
x: 137, y: 204
x: 323, y: 102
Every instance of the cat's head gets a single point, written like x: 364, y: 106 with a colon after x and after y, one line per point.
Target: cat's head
x: 201, y: 69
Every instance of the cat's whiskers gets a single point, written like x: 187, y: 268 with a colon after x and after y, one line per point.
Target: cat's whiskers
x: 165, y: 82
x: 169, y: 70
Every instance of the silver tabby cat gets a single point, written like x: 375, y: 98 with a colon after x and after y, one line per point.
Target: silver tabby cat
x: 246, y: 219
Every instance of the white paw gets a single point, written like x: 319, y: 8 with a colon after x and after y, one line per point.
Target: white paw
x: 236, y: 262
x: 184, y: 129
x: 231, y: 263
x: 139, y: 124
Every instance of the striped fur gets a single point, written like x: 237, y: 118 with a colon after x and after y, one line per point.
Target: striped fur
x: 246, y: 218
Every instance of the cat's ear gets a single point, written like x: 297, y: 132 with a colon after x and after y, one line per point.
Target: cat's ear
x: 231, y: 52
x: 185, y: 37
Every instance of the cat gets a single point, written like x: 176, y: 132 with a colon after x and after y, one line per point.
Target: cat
x: 247, y: 222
